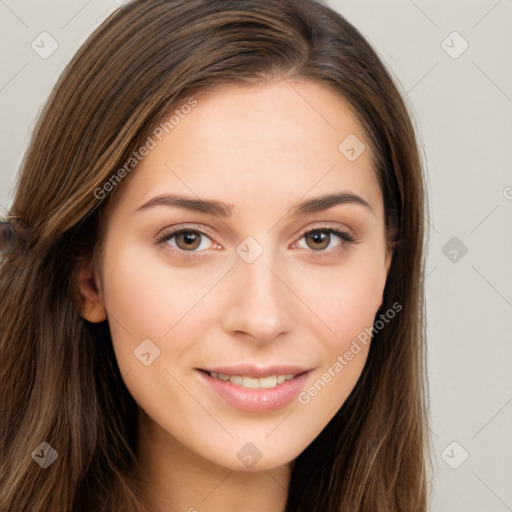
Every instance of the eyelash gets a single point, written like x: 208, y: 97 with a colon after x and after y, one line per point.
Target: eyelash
x: 346, y: 238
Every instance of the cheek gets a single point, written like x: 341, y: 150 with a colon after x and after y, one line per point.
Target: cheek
x: 144, y: 300
x: 344, y: 297
x: 136, y: 308
x: 347, y: 298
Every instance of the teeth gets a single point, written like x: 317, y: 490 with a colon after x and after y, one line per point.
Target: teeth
x: 253, y: 383
x: 236, y: 380
x: 248, y: 382
x: 268, y: 382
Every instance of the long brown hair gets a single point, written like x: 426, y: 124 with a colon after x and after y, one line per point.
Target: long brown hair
x: 59, y: 379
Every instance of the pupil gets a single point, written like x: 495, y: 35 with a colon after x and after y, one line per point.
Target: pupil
x: 189, y: 239
x: 319, y: 237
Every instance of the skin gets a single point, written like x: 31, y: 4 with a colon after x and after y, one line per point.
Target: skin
x: 260, y: 150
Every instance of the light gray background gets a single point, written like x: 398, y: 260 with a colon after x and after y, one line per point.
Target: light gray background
x: 463, y: 111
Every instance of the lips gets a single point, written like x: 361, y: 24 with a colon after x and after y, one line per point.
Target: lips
x: 255, y: 388
x: 255, y: 377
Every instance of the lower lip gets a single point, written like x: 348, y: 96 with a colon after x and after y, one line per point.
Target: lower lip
x: 257, y: 400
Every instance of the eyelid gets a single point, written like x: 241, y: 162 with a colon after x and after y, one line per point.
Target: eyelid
x: 331, y: 226
x: 177, y: 228
x: 172, y: 231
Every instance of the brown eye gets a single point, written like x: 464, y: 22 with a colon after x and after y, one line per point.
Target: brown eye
x: 188, y: 240
x: 318, y: 240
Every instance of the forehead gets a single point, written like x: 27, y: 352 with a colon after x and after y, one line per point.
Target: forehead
x: 273, y: 142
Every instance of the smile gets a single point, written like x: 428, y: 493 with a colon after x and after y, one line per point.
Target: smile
x: 254, y: 383
x: 248, y: 388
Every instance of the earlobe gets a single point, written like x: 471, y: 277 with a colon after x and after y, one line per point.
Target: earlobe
x: 90, y: 301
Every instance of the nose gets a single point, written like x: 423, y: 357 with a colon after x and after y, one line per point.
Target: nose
x: 260, y: 305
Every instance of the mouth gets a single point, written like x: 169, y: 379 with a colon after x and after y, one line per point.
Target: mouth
x: 256, y: 389
x: 249, y: 382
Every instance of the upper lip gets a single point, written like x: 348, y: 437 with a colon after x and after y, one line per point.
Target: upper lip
x: 251, y: 370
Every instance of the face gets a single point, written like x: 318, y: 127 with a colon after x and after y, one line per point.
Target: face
x: 233, y: 297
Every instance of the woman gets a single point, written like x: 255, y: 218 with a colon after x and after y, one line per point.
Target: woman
x: 212, y: 273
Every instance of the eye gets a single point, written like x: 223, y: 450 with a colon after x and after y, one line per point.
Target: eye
x: 184, y: 241
x: 190, y: 243
x: 321, y: 240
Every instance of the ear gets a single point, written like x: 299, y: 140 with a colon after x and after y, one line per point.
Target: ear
x: 90, y: 300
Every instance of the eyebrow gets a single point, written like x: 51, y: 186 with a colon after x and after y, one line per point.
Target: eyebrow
x: 212, y: 207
